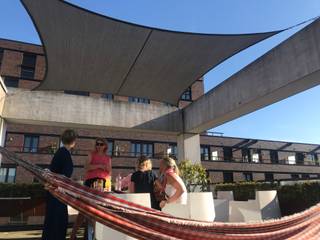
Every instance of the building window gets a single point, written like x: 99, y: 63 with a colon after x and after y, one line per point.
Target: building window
x: 139, y: 100
x: 305, y: 176
x: 187, y: 95
x: 7, y: 175
x: 227, y: 154
x: 172, y: 151
x: 29, y: 60
x: 215, y: 156
x: 246, y: 156
x: 30, y: 143
x: 256, y: 155
x: 27, y: 72
x: 28, y: 66
x: 294, y: 176
x: 247, y: 177
x: 312, y: 158
x: 228, y: 177
x: 274, y: 157
x: 110, y: 147
x: 300, y: 158
x: 268, y: 177
x: 11, y: 81
x: 78, y: 93
x: 1, y: 55
x: 205, y: 153
x: 292, y: 159
x: 108, y: 96
x: 138, y: 149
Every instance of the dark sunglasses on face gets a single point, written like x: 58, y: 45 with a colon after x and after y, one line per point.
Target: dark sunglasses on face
x: 99, y: 144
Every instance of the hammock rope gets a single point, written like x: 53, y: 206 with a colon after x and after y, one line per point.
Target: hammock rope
x: 148, y: 224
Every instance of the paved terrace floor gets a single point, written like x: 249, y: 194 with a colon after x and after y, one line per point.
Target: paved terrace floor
x: 30, y: 235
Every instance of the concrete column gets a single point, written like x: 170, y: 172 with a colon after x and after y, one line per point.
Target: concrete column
x: 189, y: 147
x: 3, y: 130
x: 3, y: 94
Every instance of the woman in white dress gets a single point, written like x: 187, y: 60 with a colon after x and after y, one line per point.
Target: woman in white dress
x: 173, y: 185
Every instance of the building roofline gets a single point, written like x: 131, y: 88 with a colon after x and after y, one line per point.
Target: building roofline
x: 266, y: 140
x: 21, y: 42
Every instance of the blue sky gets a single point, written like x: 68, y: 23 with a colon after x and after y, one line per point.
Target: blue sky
x: 294, y: 119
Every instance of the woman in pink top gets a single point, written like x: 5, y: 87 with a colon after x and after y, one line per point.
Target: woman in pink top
x: 97, y: 167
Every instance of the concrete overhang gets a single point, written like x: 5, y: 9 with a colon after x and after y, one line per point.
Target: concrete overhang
x: 58, y: 109
x: 289, y: 68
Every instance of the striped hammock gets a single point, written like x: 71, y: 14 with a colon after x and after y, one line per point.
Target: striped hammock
x: 145, y: 223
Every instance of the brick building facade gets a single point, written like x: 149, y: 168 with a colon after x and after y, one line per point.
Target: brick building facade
x: 22, y: 65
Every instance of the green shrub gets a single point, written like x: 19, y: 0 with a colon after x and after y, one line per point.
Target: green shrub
x: 193, y: 175
x: 34, y: 190
x: 292, y: 198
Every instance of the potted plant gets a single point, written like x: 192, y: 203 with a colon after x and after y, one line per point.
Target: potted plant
x: 194, y: 175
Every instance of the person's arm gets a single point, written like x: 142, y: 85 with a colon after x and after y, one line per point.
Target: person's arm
x: 56, y: 164
x: 131, y: 187
x: 179, y: 190
x: 67, y: 166
x: 157, y: 185
x: 132, y: 183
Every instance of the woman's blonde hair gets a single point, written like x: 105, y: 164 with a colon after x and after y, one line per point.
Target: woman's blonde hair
x: 171, y: 163
x: 144, y: 162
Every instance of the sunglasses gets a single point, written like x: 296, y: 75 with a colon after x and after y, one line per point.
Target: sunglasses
x: 99, y: 144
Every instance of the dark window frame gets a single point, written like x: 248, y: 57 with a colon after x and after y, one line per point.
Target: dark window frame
x: 256, y: 151
x: 108, y: 96
x: 205, y: 152
x: 186, y: 95
x: 29, y: 60
x: 31, y: 148
x: 174, y: 150
x: 134, y: 149
x: 6, y: 178
x: 274, y: 156
x: 27, y: 72
x: 269, y: 177
x: 28, y: 66
x: 246, y: 155
x: 248, y: 176
x: 11, y: 81
x: 295, y: 176
x: 228, y: 177
x: 110, y: 152
x: 139, y: 100
x: 227, y: 151
x: 300, y: 157
x: 305, y: 176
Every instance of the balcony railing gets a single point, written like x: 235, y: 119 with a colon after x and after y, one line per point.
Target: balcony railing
x: 206, y: 157
x: 80, y: 151
x: 128, y: 154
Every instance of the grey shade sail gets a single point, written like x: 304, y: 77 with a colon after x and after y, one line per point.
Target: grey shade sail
x: 86, y: 51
